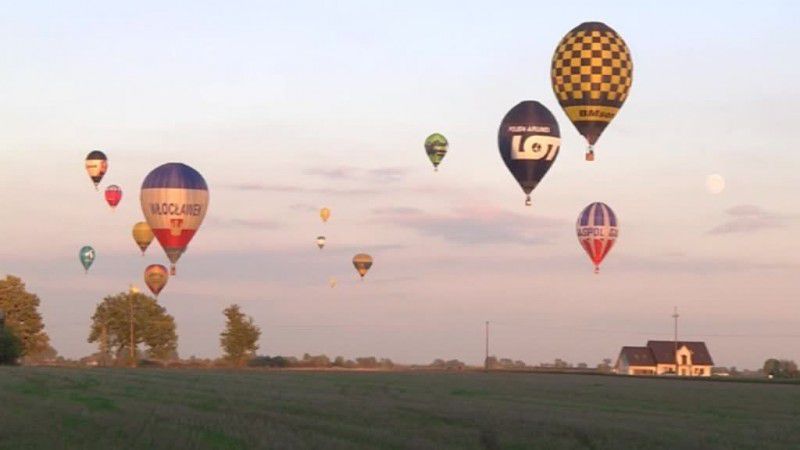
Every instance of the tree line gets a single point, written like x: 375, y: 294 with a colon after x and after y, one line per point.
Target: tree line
x: 132, y: 329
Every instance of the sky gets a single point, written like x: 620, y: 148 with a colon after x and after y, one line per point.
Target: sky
x: 285, y: 108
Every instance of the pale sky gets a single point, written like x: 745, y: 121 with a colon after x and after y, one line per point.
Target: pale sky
x: 286, y: 108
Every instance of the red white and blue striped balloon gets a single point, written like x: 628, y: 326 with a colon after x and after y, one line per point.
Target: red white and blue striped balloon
x: 597, y: 229
x: 174, y: 201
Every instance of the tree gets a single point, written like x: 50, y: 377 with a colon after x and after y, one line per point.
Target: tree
x: 123, y: 321
x: 772, y: 367
x: 239, y: 340
x: 10, y: 346
x: 22, y: 316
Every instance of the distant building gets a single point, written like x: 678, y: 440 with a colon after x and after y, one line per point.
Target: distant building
x: 660, y: 358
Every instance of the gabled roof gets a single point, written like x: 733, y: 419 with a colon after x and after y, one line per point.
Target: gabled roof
x: 664, y: 352
x: 638, y: 356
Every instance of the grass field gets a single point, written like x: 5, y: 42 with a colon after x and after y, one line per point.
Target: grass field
x: 44, y: 408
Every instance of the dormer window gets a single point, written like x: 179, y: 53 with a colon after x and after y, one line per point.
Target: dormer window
x: 684, y: 360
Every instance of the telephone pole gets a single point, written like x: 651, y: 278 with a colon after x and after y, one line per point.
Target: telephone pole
x: 131, y: 294
x: 675, y: 316
x: 486, y: 359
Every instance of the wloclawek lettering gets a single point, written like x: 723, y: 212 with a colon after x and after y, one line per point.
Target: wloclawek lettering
x: 174, y: 209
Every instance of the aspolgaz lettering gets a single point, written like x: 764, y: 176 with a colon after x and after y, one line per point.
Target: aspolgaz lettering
x: 597, y: 232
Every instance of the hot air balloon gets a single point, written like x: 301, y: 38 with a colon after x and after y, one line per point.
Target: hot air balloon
x: 143, y: 235
x: 155, y: 277
x: 436, y: 148
x: 320, y: 242
x: 332, y: 282
x: 86, y: 256
x: 362, y: 263
x: 592, y: 72
x: 597, y: 229
x: 325, y: 214
x: 174, y: 201
x: 529, y: 141
x: 113, y: 196
x: 96, y: 166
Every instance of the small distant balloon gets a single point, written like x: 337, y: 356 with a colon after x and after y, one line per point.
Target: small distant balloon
x: 715, y: 183
x: 155, y: 277
x: 320, y: 242
x: 96, y: 166
x: 87, y: 255
x: 325, y: 214
x: 436, y: 147
x: 362, y: 262
x: 143, y: 235
x: 332, y: 282
x: 597, y: 230
x: 113, y: 196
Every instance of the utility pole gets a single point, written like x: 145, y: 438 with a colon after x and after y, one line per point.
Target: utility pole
x: 486, y: 359
x: 675, y: 316
x: 131, y: 294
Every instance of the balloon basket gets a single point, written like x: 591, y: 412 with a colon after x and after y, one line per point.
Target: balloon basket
x: 172, y: 270
x: 596, y: 270
x: 590, y: 154
x: 528, y: 201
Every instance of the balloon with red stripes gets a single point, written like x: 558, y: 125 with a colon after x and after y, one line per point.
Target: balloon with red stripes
x: 174, y: 201
x: 597, y: 229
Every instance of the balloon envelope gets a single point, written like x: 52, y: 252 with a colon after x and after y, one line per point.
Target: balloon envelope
x: 96, y: 166
x: 86, y: 255
x: 174, y: 201
x: 529, y: 141
x: 597, y: 230
x: 591, y: 74
x: 143, y: 235
x: 156, y: 277
x: 362, y: 263
x: 325, y: 214
x: 113, y: 195
x: 436, y: 147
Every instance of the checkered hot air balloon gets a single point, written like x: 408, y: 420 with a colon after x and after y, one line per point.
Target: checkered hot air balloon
x: 174, y: 201
x: 591, y: 73
x: 597, y: 229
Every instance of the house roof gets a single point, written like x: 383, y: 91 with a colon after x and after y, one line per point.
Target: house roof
x: 638, y: 356
x: 664, y: 352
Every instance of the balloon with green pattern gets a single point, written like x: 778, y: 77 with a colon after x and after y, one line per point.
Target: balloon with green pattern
x: 436, y: 147
x: 86, y: 256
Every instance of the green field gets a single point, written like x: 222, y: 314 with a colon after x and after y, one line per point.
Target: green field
x: 47, y: 408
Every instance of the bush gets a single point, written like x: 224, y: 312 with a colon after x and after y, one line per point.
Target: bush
x: 10, y: 346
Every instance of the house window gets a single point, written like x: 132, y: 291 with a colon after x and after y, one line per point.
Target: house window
x: 684, y: 360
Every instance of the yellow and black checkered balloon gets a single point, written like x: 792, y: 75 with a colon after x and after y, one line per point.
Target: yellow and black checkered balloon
x: 592, y: 73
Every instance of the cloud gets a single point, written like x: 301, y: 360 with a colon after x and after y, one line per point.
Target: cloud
x: 259, y: 224
x: 390, y: 174
x: 747, y: 219
x: 335, y: 173
x: 293, y: 189
x: 474, y: 225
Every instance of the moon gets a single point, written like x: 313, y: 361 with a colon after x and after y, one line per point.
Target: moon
x: 715, y: 183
